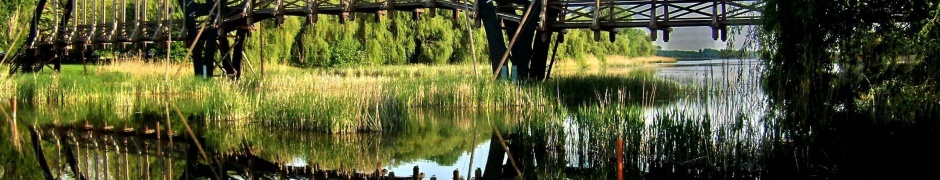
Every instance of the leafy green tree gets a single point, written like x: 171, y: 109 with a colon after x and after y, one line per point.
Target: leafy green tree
x: 437, y: 40
x: 397, y: 39
x: 14, y: 17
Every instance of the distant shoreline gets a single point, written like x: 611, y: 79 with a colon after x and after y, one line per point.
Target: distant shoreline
x: 693, y: 59
x: 649, y: 59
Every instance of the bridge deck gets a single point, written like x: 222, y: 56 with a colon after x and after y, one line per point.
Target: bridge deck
x: 575, y: 14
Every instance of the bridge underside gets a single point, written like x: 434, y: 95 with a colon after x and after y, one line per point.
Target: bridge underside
x: 216, y: 30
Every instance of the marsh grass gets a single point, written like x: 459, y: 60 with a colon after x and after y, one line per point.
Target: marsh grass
x: 578, y: 117
x: 335, y: 100
x: 607, y: 65
x: 711, y: 128
x: 356, y: 100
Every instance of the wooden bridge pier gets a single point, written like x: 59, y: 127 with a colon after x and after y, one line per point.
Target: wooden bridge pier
x: 529, y: 56
x: 494, y: 35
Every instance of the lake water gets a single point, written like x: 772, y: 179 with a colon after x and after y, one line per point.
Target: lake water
x: 732, y: 87
x: 720, y: 126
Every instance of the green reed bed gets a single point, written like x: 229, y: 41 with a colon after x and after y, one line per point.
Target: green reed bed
x: 108, y: 98
x: 688, y: 146
x: 672, y: 144
x: 545, y: 136
x: 721, y: 137
x: 602, y: 107
x: 339, y: 100
x: 468, y: 92
x: 706, y: 129
x: 638, y: 87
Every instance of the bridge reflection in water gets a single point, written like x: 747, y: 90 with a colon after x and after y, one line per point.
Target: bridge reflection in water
x: 235, y: 152
x: 99, y: 154
x: 71, y: 29
x: 544, y: 146
x: 96, y: 153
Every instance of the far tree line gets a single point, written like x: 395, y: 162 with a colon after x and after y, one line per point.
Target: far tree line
x: 707, y: 54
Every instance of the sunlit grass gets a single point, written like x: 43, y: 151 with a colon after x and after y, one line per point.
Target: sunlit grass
x: 607, y: 65
x: 336, y: 100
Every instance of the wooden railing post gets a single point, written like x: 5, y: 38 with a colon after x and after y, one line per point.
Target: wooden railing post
x: 653, y: 18
x: 714, y: 17
x: 595, y: 21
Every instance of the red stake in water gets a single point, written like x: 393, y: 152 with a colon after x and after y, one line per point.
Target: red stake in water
x: 620, y: 158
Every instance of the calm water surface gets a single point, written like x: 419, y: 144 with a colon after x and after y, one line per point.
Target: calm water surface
x: 730, y: 87
x: 437, y: 141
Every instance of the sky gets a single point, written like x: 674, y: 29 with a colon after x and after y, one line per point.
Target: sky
x: 695, y: 38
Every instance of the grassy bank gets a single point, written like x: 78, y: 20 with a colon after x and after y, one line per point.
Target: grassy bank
x: 609, y: 65
x: 336, y: 100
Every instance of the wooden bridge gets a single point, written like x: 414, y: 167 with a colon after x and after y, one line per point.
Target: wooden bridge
x: 216, y: 30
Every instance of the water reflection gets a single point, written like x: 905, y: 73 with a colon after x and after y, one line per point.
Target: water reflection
x: 573, y: 141
x: 719, y: 126
x: 435, y: 140
x: 723, y: 89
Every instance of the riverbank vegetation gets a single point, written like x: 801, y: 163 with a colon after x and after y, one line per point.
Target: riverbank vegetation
x: 328, y: 79
x: 336, y: 100
x: 860, y: 69
x: 708, y: 54
x: 366, y: 70
x: 397, y: 39
x: 845, y: 90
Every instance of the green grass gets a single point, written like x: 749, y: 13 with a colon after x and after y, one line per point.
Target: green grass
x: 431, y: 112
x: 335, y: 100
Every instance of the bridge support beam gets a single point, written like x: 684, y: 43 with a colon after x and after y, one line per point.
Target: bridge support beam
x: 494, y: 34
x: 197, y: 56
x: 232, y: 64
x: 521, y: 52
x: 208, y: 61
x: 204, y: 53
x: 529, y: 55
x: 189, y: 21
x: 225, y: 51
x: 540, y: 55
x: 541, y: 47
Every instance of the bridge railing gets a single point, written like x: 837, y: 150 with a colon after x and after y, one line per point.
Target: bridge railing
x: 654, y: 14
x: 125, y: 21
x: 109, y: 21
